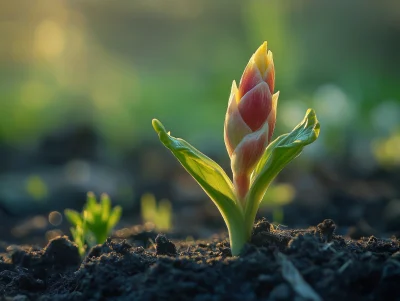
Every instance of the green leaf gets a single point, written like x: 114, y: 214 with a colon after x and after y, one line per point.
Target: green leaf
x: 73, y: 217
x: 114, y: 217
x: 89, y: 216
x: 277, y: 155
x: 105, y: 206
x: 91, y: 202
x: 210, y: 176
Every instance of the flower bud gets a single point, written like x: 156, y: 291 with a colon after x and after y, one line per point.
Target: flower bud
x: 250, y: 117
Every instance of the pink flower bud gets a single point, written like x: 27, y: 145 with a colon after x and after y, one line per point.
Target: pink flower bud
x: 250, y: 118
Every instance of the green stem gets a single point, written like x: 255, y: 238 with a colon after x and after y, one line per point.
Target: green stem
x: 249, y: 216
x: 252, y: 202
x: 250, y: 212
x: 237, y: 236
x: 233, y: 216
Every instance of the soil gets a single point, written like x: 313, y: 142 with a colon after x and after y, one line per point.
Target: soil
x: 279, y: 264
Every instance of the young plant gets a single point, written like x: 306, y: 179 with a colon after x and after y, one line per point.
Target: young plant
x: 79, y: 233
x: 159, y: 215
x: 95, y: 223
x: 255, y: 160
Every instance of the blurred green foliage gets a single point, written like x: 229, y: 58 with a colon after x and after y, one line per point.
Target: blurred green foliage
x: 95, y: 223
x: 158, y: 216
x: 278, y: 195
x: 386, y: 150
x: 36, y: 187
x: 116, y: 65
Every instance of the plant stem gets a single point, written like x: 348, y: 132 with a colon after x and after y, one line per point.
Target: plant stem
x: 237, y: 236
x: 234, y: 221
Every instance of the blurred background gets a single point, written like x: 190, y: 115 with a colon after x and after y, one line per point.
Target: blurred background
x: 80, y: 82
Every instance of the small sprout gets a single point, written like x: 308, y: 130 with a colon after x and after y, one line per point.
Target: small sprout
x: 255, y: 159
x: 386, y: 150
x: 78, y: 235
x: 160, y: 216
x: 95, y: 223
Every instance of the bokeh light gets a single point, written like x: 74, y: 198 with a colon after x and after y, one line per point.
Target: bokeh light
x: 81, y: 81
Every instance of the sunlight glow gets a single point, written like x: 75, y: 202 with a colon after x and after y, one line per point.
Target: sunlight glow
x: 49, y: 39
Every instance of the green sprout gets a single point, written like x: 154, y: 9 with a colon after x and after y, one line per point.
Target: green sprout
x: 95, y: 223
x: 160, y: 216
x: 255, y: 160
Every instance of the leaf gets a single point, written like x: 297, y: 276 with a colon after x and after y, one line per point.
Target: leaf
x: 91, y: 202
x: 210, y: 176
x: 73, y: 217
x: 277, y: 155
x: 105, y: 203
x: 114, y: 217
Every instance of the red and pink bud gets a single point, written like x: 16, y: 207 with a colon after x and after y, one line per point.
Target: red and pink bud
x: 250, y: 118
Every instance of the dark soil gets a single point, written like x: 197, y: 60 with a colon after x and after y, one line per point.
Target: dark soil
x: 308, y: 264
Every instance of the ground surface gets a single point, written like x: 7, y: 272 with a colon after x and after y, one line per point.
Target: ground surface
x: 310, y: 264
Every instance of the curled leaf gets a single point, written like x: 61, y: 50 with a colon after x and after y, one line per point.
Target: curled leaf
x: 276, y: 156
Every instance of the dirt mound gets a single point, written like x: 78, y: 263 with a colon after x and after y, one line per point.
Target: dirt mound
x: 307, y: 264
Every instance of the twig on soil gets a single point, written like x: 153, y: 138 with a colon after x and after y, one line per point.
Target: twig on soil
x: 329, y: 246
x: 294, y: 278
x: 153, y: 243
x: 278, y: 226
x: 344, y: 266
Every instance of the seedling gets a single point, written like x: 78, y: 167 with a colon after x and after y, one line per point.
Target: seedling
x: 255, y: 162
x: 159, y: 215
x: 94, y: 224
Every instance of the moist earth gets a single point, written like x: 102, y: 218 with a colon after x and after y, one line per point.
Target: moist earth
x: 279, y: 264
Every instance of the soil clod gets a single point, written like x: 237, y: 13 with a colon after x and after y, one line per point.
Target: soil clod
x: 283, y: 264
x: 326, y: 229
x: 165, y: 246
